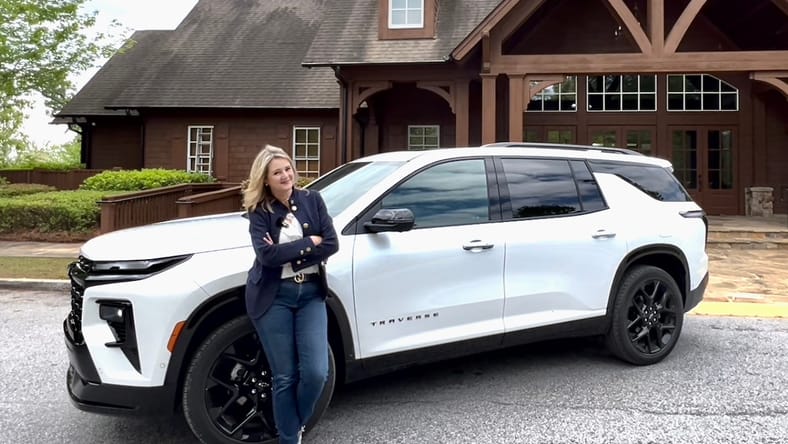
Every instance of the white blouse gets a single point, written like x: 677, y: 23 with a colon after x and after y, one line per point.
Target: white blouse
x: 292, y: 231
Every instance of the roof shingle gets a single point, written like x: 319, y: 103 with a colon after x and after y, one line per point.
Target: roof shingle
x: 349, y: 34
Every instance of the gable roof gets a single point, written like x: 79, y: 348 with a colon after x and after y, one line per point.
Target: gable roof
x: 224, y: 54
x: 349, y: 34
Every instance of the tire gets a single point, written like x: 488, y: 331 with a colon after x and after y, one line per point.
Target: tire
x: 227, y: 388
x: 647, y: 316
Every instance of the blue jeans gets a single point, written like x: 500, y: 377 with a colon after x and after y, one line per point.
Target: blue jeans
x: 294, y: 335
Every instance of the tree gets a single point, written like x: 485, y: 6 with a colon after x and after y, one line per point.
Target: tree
x: 42, y: 42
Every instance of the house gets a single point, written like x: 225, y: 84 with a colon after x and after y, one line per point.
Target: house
x: 703, y: 83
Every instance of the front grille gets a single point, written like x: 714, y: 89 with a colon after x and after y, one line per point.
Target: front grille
x: 85, y: 273
x: 77, y: 272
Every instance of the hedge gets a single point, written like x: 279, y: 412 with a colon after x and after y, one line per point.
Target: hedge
x: 72, y: 211
x: 137, y: 180
x: 23, y: 189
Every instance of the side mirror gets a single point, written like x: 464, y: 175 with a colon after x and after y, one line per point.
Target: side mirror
x: 391, y: 219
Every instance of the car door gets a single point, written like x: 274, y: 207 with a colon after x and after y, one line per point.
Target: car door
x: 442, y: 280
x: 562, y: 247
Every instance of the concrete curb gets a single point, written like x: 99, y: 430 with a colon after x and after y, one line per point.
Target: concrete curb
x: 36, y: 284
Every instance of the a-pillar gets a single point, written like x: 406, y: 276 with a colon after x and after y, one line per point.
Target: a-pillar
x: 516, y: 94
x: 488, y: 108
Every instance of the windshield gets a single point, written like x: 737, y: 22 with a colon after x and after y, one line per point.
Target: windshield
x: 342, y: 186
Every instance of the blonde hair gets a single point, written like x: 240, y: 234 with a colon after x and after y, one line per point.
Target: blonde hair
x: 255, y: 191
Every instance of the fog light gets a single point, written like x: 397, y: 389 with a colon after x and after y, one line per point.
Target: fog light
x: 114, y: 312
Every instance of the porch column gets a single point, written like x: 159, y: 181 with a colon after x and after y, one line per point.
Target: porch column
x: 516, y: 84
x: 488, y: 108
x: 461, y: 113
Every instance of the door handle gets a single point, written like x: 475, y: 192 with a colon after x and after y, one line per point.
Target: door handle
x: 476, y: 245
x: 603, y: 234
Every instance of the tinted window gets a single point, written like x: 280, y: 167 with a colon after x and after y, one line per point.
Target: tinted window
x: 590, y: 196
x: 451, y: 193
x: 655, y: 181
x: 540, y: 187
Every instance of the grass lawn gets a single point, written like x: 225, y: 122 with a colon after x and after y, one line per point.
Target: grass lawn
x: 34, y: 267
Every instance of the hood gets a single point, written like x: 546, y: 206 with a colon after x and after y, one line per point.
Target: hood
x: 171, y: 238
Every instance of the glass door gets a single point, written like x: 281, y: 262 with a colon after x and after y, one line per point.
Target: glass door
x: 703, y: 161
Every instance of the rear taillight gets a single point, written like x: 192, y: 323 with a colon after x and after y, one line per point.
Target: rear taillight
x: 698, y: 214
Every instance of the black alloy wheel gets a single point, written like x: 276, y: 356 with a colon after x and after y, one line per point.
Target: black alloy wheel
x: 647, y: 316
x: 227, y: 390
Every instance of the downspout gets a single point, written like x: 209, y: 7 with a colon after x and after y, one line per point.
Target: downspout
x: 343, y: 111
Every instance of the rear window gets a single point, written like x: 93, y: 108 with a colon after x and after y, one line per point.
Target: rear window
x: 655, y: 181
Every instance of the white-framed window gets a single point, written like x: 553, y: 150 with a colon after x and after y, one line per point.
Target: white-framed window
x: 200, y: 153
x: 424, y: 137
x: 622, y: 93
x: 701, y: 92
x: 559, y: 97
x: 306, y: 150
x: 406, y: 14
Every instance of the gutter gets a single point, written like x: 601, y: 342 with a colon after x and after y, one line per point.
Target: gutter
x: 343, y: 110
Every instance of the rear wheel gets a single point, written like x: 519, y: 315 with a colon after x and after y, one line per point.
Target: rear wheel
x: 227, y: 389
x: 647, y: 316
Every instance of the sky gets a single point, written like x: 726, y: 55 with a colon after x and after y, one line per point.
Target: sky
x: 132, y: 14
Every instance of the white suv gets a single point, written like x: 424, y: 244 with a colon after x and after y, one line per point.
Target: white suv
x: 442, y: 253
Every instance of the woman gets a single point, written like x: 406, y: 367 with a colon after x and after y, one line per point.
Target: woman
x: 292, y: 234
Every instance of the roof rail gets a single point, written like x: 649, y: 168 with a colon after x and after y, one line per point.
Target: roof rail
x: 559, y: 146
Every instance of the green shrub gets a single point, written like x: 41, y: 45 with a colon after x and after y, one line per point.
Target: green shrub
x: 23, y: 189
x: 136, y: 180
x: 3, y: 181
x: 73, y: 211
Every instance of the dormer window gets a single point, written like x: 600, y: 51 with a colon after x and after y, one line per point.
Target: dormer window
x: 407, y: 19
x: 405, y: 14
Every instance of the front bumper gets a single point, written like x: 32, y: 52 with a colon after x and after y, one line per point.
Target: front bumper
x: 88, y: 393
x: 695, y: 296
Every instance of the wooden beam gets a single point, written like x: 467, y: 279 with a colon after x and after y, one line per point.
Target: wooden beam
x: 782, y: 4
x: 512, y: 22
x: 441, y: 88
x: 682, y: 24
x: 488, y: 108
x: 475, y: 36
x: 772, y: 78
x: 682, y: 62
x: 462, y: 113
x: 634, y: 28
x: 516, y: 107
x: 486, y: 52
x: 656, y: 25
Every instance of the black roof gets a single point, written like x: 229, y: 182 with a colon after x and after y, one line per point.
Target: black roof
x: 224, y: 54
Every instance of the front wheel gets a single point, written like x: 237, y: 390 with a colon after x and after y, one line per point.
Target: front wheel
x: 227, y: 390
x: 647, y: 316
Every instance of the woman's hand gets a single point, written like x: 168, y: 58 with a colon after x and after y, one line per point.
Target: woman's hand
x: 267, y: 239
x: 316, y: 240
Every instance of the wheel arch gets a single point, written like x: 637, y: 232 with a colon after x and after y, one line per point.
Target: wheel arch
x: 664, y: 256
x: 229, y: 304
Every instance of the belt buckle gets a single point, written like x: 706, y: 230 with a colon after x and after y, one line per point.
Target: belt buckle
x: 298, y: 278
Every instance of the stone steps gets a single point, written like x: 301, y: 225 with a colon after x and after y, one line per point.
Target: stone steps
x: 751, y: 240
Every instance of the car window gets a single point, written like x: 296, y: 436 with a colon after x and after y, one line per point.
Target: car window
x: 540, y: 187
x: 590, y: 195
x: 451, y: 193
x: 342, y: 186
x: 653, y: 180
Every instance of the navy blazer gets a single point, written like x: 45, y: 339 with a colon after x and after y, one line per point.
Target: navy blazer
x: 262, y: 284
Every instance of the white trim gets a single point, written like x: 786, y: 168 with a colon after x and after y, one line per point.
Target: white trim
x: 304, y: 156
x: 197, y: 160
x: 702, y: 93
x: 621, y: 93
x: 406, y: 11
x: 423, y: 145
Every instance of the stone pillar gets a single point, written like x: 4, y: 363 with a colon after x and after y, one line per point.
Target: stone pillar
x: 759, y: 201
